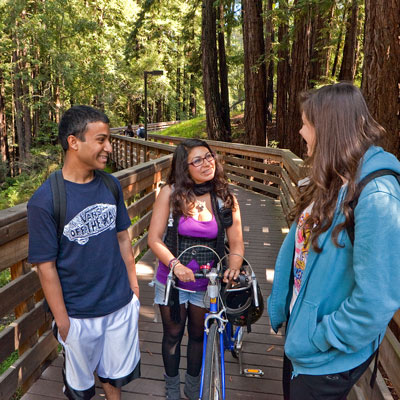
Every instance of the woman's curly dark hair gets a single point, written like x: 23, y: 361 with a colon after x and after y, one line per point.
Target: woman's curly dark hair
x: 183, y: 196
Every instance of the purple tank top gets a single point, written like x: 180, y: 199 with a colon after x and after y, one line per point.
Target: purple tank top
x: 189, y: 226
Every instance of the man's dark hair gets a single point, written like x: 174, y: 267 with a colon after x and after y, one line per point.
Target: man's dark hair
x: 75, y: 120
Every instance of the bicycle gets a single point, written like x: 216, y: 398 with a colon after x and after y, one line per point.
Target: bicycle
x: 219, y: 334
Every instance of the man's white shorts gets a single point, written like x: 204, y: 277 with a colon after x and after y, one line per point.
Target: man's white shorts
x: 108, y: 344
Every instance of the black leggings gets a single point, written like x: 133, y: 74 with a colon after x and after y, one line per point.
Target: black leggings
x: 173, y: 333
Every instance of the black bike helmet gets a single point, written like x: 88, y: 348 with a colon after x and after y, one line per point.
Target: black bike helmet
x: 240, y: 306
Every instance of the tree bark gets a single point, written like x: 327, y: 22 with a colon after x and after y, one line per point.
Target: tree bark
x: 381, y: 72
x: 5, y: 155
x: 349, y: 60
x: 299, y: 76
x: 320, y: 39
x: 192, y: 101
x: 269, y: 39
x: 283, y: 76
x: 18, y: 95
x: 223, y: 70
x: 178, y: 95
x: 215, y: 124
x: 339, y: 43
x: 255, y: 120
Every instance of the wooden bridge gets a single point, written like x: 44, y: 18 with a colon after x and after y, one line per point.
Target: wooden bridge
x: 263, y: 179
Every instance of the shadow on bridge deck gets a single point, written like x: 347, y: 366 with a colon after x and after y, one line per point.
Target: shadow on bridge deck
x: 264, y: 228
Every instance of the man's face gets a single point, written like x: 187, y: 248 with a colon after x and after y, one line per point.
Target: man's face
x: 94, y: 151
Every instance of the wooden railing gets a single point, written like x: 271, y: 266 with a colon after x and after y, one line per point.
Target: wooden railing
x: 273, y: 172
x: 21, y: 299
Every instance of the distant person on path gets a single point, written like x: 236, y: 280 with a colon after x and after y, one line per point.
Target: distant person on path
x: 188, y: 207
x: 337, y: 294
x: 141, y: 132
x: 88, y: 274
x: 129, y: 131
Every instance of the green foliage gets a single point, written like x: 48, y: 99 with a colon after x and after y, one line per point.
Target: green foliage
x: 193, y: 128
x: 44, y: 160
x: 8, y: 362
x: 5, y: 277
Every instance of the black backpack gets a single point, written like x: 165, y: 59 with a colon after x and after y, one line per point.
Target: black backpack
x: 60, y: 198
x: 360, y: 186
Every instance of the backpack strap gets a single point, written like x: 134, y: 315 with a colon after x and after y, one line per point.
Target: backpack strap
x: 109, y: 182
x: 59, y: 200
x: 360, y: 186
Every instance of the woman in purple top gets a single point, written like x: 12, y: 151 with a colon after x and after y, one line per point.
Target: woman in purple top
x: 188, y: 206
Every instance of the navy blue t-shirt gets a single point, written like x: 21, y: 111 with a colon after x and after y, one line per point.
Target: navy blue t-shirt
x: 92, y: 272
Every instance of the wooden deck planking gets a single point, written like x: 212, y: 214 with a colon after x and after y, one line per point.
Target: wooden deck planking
x: 264, y: 228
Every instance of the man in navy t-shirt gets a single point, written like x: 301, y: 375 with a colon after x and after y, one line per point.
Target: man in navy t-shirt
x: 88, y: 275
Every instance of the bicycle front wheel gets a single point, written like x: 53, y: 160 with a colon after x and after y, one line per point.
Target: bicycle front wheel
x: 212, y: 386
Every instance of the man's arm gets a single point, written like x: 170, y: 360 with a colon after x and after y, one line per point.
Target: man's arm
x: 53, y: 292
x: 125, y: 246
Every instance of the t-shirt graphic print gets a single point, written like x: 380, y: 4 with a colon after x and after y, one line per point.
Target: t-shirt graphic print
x: 90, y: 222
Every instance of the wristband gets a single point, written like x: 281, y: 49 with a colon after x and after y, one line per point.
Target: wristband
x: 173, y: 263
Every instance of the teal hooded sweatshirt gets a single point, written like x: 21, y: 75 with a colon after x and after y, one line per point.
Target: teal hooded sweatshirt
x: 348, y: 294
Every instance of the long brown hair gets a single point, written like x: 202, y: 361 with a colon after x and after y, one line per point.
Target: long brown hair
x: 344, y: 130
x: 183, y: 196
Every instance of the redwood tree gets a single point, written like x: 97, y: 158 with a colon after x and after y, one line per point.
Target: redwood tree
x: 299, y: 75
x: 381, y: 72
x: 216, y: 129
x: 282, y: 86
x: 223, y: 70
x: 254, y: 73
x: 350, y: 51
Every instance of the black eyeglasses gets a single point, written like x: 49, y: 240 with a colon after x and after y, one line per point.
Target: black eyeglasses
x: 199, y: 161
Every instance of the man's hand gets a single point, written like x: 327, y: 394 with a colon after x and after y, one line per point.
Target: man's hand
x: 63, y: 329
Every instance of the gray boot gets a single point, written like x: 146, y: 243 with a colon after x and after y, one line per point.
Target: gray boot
x: 192, y: 386
x: 172, y: 387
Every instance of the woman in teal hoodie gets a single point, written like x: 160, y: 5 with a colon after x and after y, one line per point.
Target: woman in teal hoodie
x: 336, y: 296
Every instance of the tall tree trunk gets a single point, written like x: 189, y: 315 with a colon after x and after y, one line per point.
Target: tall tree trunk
x: 299, y: 75
x: 184, y: 92
x: 269, y: 39
x: 381, y: 72
x: 339, y: 44
x: 283, y: 79
x: 5, y: 155
x: 320, y: 38
x: 18, y: 96
x: 26, y: 105
x: 216, y: 129
x: 255, y: 120
x: 192, y: 101
x: 349, y: 60
x: 178, y: 94
x: 223, y: 70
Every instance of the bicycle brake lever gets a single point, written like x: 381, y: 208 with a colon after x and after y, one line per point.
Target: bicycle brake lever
x: 170, y: 281
x: 254, y: 283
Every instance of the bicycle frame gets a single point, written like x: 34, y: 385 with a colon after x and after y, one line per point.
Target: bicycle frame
x: 217, y: 315
x: 226, y: 342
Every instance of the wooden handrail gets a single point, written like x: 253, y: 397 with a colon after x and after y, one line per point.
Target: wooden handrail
x: 143, y: 164
x: 273, y: 172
